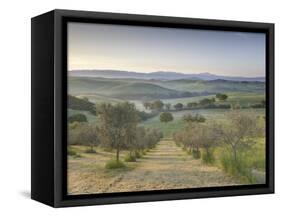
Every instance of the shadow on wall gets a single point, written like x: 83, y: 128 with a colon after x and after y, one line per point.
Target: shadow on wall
x: 25, y: 194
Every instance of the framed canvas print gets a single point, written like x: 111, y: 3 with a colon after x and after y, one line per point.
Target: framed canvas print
x: 134, y: 108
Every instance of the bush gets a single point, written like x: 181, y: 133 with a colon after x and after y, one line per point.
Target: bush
x: 138, y: 154
x: 208, y: 158
x: 241, y: 134
x: 238, y: 168
x: 221, y: 97
x: 73, y: 153
x: 77, y: 118
x: 192, y: 105
x: 206, y: 101
x: 82, y: 134
x: 90, y: 151
x: 108, y: 149
x: 130, y: 158
x: 77, y: 156
x: 143, y: 152
x: 166, y: 117
x: 194, y: 118
x: 196, y: 154
x: 178, y: 106
x: 113, y: 164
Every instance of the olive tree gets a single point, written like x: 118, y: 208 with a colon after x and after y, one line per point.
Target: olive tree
x: 116, y: 125
x: 194, y: 118
x: 147, y: 105
x: 166, y: 117
x: 238, y: 132
x: 207, y: 140
x: 178, y: 106
x: 221, y: 96
x: 83, y: 134
x: 157, y: 105
x: 168, y: 106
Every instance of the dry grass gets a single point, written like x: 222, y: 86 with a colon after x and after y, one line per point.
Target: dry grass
x: 165, y: 167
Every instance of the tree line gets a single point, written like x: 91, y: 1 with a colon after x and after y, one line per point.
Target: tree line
x: 83, y: 104
x: 159, y: 105
x: 205, y: 103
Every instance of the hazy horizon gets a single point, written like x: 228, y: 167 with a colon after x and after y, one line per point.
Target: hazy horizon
x: 123, y: 70
x: 152, y: 49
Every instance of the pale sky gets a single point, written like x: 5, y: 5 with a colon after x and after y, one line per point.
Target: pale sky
x: 150, y: 49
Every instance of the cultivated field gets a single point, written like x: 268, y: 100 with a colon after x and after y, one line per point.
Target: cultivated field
x: 164, y: 167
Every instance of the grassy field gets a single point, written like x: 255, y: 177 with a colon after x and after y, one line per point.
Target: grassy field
x: 177, y: 124
x: 122, y: 89
x: 243, y: 98
x: 253, y: 160
x: 213, y: 86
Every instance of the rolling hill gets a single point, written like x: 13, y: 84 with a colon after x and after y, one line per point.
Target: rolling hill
x: 213, y: 86
x: 147, y: 91
x: 160, y: 75
x: 123, y: 89
x: 141, y: 89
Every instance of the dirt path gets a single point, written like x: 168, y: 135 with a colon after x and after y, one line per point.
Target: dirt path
x: 168, y: 167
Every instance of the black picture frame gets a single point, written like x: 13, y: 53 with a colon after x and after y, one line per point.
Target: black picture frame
x: 49, y: 104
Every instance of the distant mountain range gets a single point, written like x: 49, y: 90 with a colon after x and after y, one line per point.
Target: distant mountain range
x: 160, y: 75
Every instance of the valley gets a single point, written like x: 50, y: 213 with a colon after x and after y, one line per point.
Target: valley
x: 167, y: 154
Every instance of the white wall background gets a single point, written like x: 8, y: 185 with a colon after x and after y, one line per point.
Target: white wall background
x: 15, y: 106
